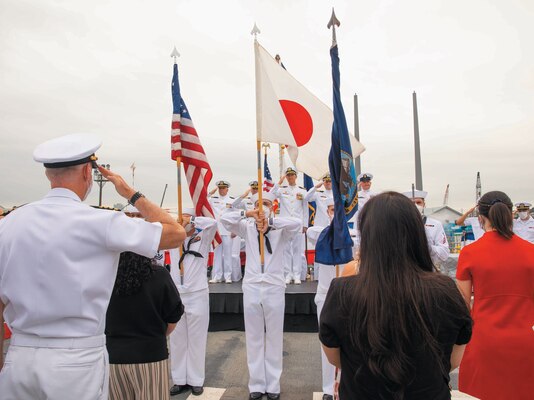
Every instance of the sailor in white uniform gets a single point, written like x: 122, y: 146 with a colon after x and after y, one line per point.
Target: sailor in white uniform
x: 293, y: 204
x: 326, y: 274
x: 473, y: 222
x: 321, y: 198
x: 188, y: 341
x: 524, y: 224
x: 364, y: 194
x: 437, y: 240
x: 224, y: 254
x: 244, y: 201
x: 58, y: 263
x: 263, y: 292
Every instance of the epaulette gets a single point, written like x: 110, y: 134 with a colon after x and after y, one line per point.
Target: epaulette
x: 283, y: 186
x: 105, y: 208
x: 214, y: 197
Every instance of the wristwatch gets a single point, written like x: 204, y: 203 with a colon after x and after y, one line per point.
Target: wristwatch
x: 135, y: 197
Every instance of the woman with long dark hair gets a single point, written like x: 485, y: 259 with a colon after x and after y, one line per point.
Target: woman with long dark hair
x: 398, y: 327
x: 144, y: 308
x: 498, y: 269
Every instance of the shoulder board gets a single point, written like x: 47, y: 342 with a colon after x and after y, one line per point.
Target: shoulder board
x: 7, y: 212
x: 214, y: 197
x: 284, y: 186
x: 232, y: 197
x: 105, y: 208
x: 320, y: 191
x: 301, y: 187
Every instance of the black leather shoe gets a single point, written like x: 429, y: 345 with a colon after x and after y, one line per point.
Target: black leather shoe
x: 197, y: 390
x: 177, y: 389
x: 255, y: 396
x: 328, y: 397
x: 273, y: 396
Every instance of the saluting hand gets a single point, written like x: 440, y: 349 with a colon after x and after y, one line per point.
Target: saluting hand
x: 282, y: 179
x: 120, y: 184
x: 319, y: 185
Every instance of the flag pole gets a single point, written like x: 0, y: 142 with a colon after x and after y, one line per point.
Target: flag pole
x: 175, y: 55
x: 254, y: 32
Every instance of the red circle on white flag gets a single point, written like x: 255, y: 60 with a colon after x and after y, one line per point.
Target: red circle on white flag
x: 299, y: 120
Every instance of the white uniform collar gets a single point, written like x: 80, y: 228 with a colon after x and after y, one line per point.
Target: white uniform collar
x: 63, y: 192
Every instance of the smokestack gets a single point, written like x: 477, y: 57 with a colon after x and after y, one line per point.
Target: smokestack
x: 418, y: 169
x: 357, y: 160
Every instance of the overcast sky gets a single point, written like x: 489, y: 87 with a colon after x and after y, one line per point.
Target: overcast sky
x: 104, y: 67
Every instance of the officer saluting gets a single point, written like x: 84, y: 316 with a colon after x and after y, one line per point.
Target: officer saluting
x: 58, y: 262
x: 293, y: 204
x: 437, y: 240
x: 244, y: 201
x: 222, y: 256
x: 321, y: 198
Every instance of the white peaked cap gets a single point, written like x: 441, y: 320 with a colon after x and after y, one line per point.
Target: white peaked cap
x: 67, y: 150
x: 190, y: 211
x: 130, y: 209
x: 523, y: 204
x: 266, y: 196
x: 416, y: 194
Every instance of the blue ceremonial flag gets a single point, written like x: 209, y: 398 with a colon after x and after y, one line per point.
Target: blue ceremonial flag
x: 312, y: 207
x: 335, y: 244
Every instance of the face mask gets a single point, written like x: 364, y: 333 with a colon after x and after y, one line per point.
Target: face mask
x: 523, y: 214
x: 420, y: 208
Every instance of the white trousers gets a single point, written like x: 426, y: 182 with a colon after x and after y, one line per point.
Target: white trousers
x: 188, y: 340
x: 222, y: 259
x: 236, y: 259
x: 328, y: 370
x: 264, y: 306
x: 43, y: 373
x: 295, y: 265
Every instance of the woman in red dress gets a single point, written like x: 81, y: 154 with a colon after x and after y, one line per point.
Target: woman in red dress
x: 499, y: 270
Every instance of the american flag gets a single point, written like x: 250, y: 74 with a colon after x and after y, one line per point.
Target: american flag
x: 185, y: 143
x: 267, y: 178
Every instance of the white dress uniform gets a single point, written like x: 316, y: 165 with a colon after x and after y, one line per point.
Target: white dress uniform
x: 224, y: 255
x: 525, y: 229
x: 292, y: 204
x: 243, y: 203
x: 58, y: 263
x: 320, y: 197
x: 326, y: 274
x: 474, y: 223
x: 263, y: 297
x: 437, y: 240
x: 363, y: 197
x: 189, y: 338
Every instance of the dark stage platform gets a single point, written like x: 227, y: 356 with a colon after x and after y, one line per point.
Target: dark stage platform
x: 226, y: 307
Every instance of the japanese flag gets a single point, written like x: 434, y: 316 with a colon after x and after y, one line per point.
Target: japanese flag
x: 288, y: 113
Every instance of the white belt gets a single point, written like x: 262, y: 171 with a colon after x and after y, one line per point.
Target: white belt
x: 21, y: 339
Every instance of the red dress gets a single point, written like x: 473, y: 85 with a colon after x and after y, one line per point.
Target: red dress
x: 499, y: 360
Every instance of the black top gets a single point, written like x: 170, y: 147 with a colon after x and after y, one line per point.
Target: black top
x: 136, y: 325
x: 448, y: 324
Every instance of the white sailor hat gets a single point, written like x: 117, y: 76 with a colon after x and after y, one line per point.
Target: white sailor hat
x: 329, y: 201
x: 130, y: 209
x: 253, y: 184
x: 189, y: 211
x: 69, y: 150
x: 523, y: 205
x: 265, y: 196
x: 366, y: 176
x: 416, y: 194
x: 223, y: 184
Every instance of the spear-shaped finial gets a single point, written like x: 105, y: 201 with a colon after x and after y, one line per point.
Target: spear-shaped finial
x: 332, y: 23
x: 175, y: 54
x: 255, y: 31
